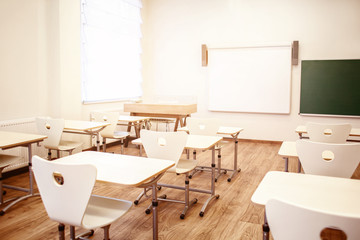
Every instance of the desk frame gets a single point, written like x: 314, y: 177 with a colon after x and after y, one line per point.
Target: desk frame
x: 188, y: 147
x: 91, y: 128
x: 331, y: 194
x: 146, y: 181
x: 25, y: 140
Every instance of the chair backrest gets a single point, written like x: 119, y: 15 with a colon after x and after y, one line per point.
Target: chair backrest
x: 291, y: 221
x: 163, y: 145
x: 108, y: 117
x: 203, y: 126
x: 329, y: 133
x: 52, y: 128
x: 328, y: 159
x: 65, y: 189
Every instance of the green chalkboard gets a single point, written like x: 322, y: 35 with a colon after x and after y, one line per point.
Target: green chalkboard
x: 330, y: 87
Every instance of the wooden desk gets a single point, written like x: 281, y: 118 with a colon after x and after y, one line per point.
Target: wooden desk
x: 234, y: 133
x: 16, y: 139
x: 85, y: 127
x: 300, y: 130
x: 328, y: 194
x: 201, y: 143
x: 126, y: 170
x: 178, y: 111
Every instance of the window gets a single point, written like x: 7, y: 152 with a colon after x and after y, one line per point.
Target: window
x: 111, y: 50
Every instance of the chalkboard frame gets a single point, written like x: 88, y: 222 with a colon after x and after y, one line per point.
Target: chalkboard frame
x: 330, y: 87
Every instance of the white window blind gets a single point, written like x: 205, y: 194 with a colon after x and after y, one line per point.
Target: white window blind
x: 111, y: 50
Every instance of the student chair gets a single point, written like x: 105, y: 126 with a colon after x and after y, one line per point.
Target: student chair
x: 65, y: 190
x: 296, y: 222
x: 5, y: 161
x: 328, y: 159
x: 169, y: 146
x: 53, y: 129
x: 328, y: 133
x: 208, y: 127
x: 109, y: 131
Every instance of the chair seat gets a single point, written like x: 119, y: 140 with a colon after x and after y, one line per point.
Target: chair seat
x: 184, y: 166
x: 6, y: 160
x: 120, y: 134
x: 65, y: 145
x: 102, y: 211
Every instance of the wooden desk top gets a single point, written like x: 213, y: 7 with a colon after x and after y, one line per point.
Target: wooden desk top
x: 328, y: 194
x: 157, y: 108
x: 198, y: 142
x: 131, y: 119
x: 355, y: 132
x: 14, y: 139
x: 78, y: 125
x: 121, y: 169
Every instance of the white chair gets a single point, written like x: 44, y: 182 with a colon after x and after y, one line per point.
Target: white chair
x: 169, y: 146
x: 5, y: 161
x: 328, y: 133
x: 207, y: 127
x: 65, y: 190
x: 109, y: 131
x: 53, y: 129
x: 328, y: 159
x: 292, y: 221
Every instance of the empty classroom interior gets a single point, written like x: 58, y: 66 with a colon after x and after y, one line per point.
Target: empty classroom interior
x: 40, y: 75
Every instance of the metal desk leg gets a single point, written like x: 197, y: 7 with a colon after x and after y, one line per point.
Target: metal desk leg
x: 213, y: 195
x: 98, y: 141
x: 30, y: 190
x: 286, y: 159
x: 236, y: 169
x: 155, y: 213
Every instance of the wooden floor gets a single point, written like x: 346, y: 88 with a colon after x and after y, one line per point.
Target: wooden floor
x: 232, y: 216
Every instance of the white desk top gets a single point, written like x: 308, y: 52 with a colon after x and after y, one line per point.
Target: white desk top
x: 77, y: 125
x: 201, y: 142
x: 121, y: 169
x: 222, y: 130
x: 14, y: 139
x: 126, y: 118
x: 288, y: 149
x: 328, y: 194
x: 198, y: 142
x: 354, y: 131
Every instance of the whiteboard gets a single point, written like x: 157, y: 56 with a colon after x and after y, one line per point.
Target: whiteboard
x: 250, y: 79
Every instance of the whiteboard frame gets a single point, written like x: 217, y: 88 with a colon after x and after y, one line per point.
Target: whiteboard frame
x: 282, y: 97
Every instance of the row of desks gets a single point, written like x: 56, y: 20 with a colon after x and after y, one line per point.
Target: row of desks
x: 327, y: 194
x: 110, y: 169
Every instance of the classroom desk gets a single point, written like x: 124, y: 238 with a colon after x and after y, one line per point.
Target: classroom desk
x: 178, y: 111
x: 85, y: 127
x: 234, y: 133
x: 200, y: 143
x: 137, y: 122
x: 328, y: 194
x: 288, y: 149
x: 17, y: 139
x: 126, y: 170
x: 300, y: 130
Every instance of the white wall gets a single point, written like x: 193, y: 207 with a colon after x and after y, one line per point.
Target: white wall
x: 175, y: 29
x: 23, y: 64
